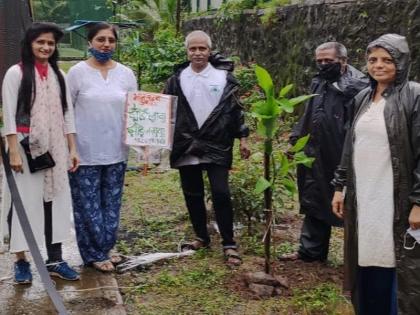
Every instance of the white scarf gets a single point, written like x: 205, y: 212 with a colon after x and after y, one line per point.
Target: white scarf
x: 47, y: 132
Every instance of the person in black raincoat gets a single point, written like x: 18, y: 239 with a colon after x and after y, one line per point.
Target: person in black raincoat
x: 378, y: 210
x: 325, y: 119
x: 209, y: 117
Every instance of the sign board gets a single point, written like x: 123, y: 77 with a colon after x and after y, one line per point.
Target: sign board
x: 148, y: 119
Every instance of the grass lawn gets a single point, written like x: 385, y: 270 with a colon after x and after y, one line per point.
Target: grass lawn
x: 154, y: 219
x: 68, y: 52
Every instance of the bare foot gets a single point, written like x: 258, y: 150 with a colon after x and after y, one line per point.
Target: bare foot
x: 104, y: 266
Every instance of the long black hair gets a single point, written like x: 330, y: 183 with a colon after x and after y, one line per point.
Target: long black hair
x: 27, y: 90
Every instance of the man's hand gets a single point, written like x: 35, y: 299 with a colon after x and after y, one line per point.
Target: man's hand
x: 414, y: 218
x: 243, y: 148
x: 338, y: 204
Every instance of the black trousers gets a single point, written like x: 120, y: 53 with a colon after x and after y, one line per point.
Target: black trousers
x: 193, y: 189
x: 54, y: 251
x: 314, y: 239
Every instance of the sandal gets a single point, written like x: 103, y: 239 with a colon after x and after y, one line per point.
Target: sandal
x: 194, y: 245
x: 103, y: 266
x: 232, y: 258
x: 116, y: 259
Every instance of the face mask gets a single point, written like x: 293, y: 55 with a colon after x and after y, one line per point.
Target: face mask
x: 330, y: 71
x: 102, y: 57
x: 414, y: 234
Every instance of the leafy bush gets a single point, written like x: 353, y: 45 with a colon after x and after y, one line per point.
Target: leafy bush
x: 232, y: 10
x: 154, y: 60
x: 246, y: 78
x: 270, y: 9
x: 248, y: 205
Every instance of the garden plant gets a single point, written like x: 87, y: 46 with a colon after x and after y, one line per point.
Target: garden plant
x: 279, y: 170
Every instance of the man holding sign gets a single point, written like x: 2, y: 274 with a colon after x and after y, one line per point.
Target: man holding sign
x: 209, y: 117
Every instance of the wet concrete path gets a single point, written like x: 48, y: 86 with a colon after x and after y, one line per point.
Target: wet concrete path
x: 80, y: 297
x: 96, y: 293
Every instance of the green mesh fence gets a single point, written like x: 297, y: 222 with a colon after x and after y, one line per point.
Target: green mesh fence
x: 65, y: 12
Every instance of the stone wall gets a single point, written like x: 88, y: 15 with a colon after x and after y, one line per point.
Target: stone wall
x: 285, y: 45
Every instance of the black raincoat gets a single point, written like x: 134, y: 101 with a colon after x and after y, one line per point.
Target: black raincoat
x: 214, y: 140
x: 402, y: 120
x: 325, y: 119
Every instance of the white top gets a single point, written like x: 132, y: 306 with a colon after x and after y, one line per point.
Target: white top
x: 99, y: 112
x: 374, y: 189
x: 10, y: 92
x: 203, y: 92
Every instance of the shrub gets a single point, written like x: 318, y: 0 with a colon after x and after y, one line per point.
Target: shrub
x: 154, y: 60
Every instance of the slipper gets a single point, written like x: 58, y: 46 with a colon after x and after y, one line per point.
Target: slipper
x: 103, y: 266
x: 195, y: 245
x: 232, y: 258
x: 290, y: 257
x: 116, y: 259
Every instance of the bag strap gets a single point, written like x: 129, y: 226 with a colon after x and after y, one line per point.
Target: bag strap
x: 29, y: 235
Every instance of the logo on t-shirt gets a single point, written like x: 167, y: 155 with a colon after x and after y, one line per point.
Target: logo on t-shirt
x: 214, y: 89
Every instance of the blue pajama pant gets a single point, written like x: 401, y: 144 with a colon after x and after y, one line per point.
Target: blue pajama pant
x: 377, y: 291
x: 96, y: 193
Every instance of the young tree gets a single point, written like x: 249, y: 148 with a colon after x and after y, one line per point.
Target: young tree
x: 268, y: 113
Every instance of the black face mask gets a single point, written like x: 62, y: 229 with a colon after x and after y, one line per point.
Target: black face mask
x: 330, y: 71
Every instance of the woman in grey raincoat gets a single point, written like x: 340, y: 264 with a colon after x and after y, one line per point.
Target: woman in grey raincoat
x: 380, y: 169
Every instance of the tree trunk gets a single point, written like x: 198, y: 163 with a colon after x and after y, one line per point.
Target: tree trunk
x: 178, y: 16
x: 268, y: 193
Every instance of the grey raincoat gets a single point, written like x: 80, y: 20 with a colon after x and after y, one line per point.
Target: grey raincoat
x: 402, y: 119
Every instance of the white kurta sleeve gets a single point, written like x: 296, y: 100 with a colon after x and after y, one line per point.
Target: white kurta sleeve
x: 73, y: 83
x: 132, y: 82
x: 69, y: 125
x: 10, y: 92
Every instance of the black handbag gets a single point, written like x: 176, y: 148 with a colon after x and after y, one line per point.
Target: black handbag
x: 41, y: 162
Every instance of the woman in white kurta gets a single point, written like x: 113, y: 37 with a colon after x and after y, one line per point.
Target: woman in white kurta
x: 99, y: 89
x: 379, y: 168
x: 41, y: 112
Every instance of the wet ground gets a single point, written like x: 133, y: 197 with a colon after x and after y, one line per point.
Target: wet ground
x: 95, y: 293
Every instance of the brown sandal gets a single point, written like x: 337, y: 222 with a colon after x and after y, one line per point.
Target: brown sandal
x: 232, y: 258
x: 194, y: 245
x: 103, y: 266
x: 290, y: 257
x: 116, y: 259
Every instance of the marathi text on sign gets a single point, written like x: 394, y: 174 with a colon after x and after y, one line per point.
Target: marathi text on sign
x: 148, y: 119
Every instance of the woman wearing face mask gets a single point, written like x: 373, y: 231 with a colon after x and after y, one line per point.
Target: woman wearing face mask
x: 98, y: 87
x: 37, y: 110
x: 380, y: 169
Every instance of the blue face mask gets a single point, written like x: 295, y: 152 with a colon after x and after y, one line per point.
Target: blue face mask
x: 101, y: 57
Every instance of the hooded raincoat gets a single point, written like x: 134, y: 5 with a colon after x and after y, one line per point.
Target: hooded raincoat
x: 325, y: 119
x: 402, y: 120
